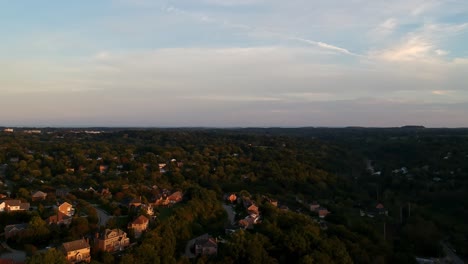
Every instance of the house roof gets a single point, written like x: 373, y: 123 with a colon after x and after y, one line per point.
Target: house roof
x: 9, y: 228
x: 39, y: 194
x: 65, y: 205
x: 75, y: 245
x: 140, y: 220
x: 207, y: 242
x: 108, y: 233
x: 58, y: 217
x: 253, y: 207
x: 175, y: 196
x: 135, y: 201
x: 12, y: 202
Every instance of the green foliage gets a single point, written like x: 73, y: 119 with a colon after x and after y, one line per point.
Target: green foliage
x: 51, y: 256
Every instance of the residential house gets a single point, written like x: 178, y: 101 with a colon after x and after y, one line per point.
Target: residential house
x: 314, y: 206
x: 106, y: 193
x: 322, y: 212
x: 135, y: 203
x: 66, y: 209
x: 59, y: 219
x: 272, y: 202
x: 62, y: 192
x: 38, y: 196
x: 77, y: 251
x: 232, y: 198
x: 14, y: 230
x: 139, y: 225
x: 249, y: 221
x: 112, y: 240
x: 252, y: 209
x: 206, y: 245
x: 103, y: 168
x: 175, y: 197
x: 13, y: 205
x: 380, y: 209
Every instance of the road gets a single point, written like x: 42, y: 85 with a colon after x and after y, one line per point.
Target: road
x: 16, y: 255
x: 103, y: 216
x: 450, y: 254
x: 230, y: 211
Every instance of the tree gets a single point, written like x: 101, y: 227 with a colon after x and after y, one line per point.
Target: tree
x: 51, y: 256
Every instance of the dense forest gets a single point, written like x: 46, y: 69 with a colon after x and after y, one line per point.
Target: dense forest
x: 391, y: 195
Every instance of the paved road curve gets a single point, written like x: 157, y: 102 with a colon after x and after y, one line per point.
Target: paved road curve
x: 16, y: 255
x: 450, y: 254
x: 103, y: 216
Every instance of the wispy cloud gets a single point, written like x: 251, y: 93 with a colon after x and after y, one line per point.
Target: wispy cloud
x: 324, y: 45
x: 442, y: 92
x: 209, y: 19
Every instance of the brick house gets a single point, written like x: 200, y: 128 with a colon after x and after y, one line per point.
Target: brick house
x: 206, y: 245
x: 112, y: 240
x: 77, y: 251
x: 139, y: 225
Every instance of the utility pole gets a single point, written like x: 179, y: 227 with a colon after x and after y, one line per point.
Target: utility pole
x: 401, y: 214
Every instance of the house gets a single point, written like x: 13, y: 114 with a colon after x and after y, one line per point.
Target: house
x: 249, y: 221
x: 252, y: 209
x: 66, y: 209
x: 273, y: 202
x: 314, y: 206
x: 135, y: 202
x: 8, y: 130
x: 175, y: 197
x: 38, y: 196
x: 112, y: 240
x: 103, y: 168
x: 62, y: 192
x: 106, y: 193
x: 13, y: 205
x: 206, y: 245
x: 232, y: 198
x: 322, y: 212
x: 77, y: 251
x: 139, y: 225
x: 14, y: 230
x: 380, y: 209
x: 59, y: 219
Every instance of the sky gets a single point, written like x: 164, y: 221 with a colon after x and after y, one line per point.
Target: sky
x: 234, y: 63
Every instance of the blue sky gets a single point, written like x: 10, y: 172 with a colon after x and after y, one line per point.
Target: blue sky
x: 234, y: 63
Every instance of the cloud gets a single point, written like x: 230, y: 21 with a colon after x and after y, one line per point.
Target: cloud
x: 414, y: 48
x: 441, y: 52
x: 385, y: 28
x: 441, y: 92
